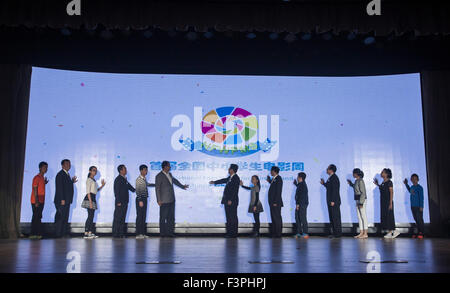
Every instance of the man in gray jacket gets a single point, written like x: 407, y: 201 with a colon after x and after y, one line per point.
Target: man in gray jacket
x: 165, y: 196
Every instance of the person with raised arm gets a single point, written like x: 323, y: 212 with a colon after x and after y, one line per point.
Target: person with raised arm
x: 360, y: 196
x: 63, y: 198
x: 387, y: 204
x: 90, y: 202
x: 165, y: 195
x: 255, y: 206
x: 276, y: 201
x: 230, y: 200
x: 141, y: 202
x: 333, y: 201
x: 121, y: 193
x: 38, y: 201
x: 416, y: 199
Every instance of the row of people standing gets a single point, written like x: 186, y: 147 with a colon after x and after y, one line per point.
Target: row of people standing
x: 230, y: 200
x: 165, y: 194
x: 164, y: 187
x: 64, y: 191
x: 333, y: 199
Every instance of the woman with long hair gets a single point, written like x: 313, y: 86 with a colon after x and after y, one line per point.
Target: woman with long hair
x: 255, y: 206
x: 360, y: 196
x: 90, y: 202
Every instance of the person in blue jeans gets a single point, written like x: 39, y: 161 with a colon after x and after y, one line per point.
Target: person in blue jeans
x: 416, y: 198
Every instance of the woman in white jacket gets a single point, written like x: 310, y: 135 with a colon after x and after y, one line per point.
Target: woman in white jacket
x: 90, y: 202
x: 359, y: 188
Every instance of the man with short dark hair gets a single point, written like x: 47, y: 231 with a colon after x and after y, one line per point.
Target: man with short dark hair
x: 333, y: 201
x: 38, y: 200
x: 276, y: 201
x: 165, y: 195
x: 230, y: 200
x: 121, y: 189
x: 63, y: 198
x: 141, y: 202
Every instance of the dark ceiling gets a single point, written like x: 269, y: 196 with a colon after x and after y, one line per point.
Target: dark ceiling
x: 326, y: 43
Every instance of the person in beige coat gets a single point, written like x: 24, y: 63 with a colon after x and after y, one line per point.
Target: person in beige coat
x: 359, y: 189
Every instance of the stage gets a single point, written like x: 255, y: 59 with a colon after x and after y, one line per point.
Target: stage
x: 219, y: 255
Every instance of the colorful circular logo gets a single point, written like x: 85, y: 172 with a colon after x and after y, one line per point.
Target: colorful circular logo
x: 230, y: 128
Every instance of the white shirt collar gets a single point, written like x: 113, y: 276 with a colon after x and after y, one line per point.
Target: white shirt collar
x: 273, y: 178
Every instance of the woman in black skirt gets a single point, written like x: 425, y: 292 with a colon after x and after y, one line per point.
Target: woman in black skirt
x: 387, y: 203
x: 255, y: 206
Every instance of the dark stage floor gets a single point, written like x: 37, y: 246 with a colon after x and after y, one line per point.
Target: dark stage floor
x: 215, y: 255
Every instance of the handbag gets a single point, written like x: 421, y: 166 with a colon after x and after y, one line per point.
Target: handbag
x: 85, y: 203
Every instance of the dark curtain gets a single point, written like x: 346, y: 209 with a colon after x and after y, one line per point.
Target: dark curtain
x: 14, y: 94
x: 436, y: 109
x: 419, y: 16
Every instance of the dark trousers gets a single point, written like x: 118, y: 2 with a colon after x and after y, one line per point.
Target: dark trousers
x: 61, y: 219
x: 257, y: 223
x: 119, y: 227
x: 141, y: 216
x: 387, y: 215
x: 36, y: 224
x: 167, y: 219
x: 277, y: 221
x: 301, y: 220
x: 334, y: 213
x: 89, y: 225
x: 232, y: 220
x: 418, y: 217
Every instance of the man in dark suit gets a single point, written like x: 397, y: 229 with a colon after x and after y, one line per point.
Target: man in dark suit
x: 63, y: 198
x: 230, y: 200
x: 333, y: 201
x: 165, y: 195
x: 121, y: 188
x: 275, y: 201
